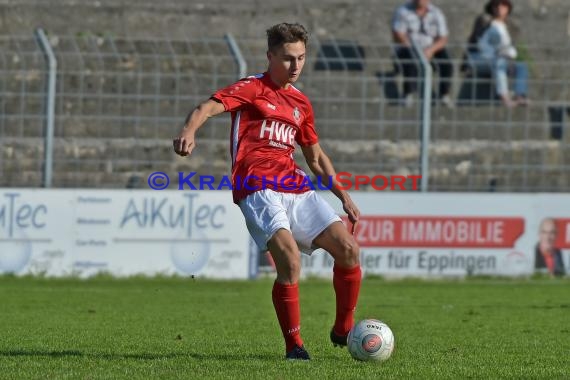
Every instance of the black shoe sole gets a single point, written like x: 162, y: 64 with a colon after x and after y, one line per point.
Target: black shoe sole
x: 337, y: 340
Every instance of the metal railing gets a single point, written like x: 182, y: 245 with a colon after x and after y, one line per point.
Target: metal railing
x: 120, y: 101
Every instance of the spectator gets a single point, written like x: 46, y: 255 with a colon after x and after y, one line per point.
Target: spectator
x: 424, y: 23
x: 496, y: 55
x: 480, y: 26
x: 547, y: 257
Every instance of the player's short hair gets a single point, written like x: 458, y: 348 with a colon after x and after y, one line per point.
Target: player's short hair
x: 285, y: 33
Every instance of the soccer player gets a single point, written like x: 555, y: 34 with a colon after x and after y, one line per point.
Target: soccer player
x: 269, y: 115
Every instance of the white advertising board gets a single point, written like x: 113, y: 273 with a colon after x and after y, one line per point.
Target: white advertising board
x: 450, y: 234
x: 83, y: 232
x: 202, y: 233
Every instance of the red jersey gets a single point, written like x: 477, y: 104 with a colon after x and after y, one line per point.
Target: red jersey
x: 267, y: 120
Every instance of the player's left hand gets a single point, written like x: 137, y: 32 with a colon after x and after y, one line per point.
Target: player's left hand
x: 351, y: 210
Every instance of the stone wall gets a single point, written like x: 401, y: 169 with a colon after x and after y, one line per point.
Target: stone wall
x: 534, y: 21
x: 92, y: 153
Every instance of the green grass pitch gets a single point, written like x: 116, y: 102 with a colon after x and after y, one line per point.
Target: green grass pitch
x: 106, y: 328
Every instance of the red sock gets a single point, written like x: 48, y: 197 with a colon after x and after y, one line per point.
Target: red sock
x: 346, y: 282
x: 286, y: 303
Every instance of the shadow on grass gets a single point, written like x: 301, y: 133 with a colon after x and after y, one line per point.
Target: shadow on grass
x: 52, y: 354
x: 141, y: 356
x: 235, y: 356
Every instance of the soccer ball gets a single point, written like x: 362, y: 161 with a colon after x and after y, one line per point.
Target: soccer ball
x: 370, y: 340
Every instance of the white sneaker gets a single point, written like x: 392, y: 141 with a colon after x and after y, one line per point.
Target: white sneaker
x: 446, y: 101
x: 409, y: 101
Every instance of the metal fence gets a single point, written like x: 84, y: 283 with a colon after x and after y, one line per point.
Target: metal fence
x: 119, y: 102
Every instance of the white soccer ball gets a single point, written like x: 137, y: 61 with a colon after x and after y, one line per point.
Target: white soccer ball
x: 371, y: 340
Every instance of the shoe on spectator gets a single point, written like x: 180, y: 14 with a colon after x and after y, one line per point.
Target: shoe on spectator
x: 447, y: 101
x: 522, y: 100
x: 409, y: 101
x: 508, y: 101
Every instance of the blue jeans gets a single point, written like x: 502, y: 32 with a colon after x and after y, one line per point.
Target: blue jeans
x: 517, y: 70
x: 501, y: 69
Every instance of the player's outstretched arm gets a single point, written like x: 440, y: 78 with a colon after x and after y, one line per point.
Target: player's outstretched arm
x: 321, y: 165
x: 184, y: 143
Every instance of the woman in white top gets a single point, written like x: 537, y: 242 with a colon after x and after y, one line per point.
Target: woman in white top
x: 497, y: 53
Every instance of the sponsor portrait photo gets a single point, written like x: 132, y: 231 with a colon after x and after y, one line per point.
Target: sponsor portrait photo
x: 548, y: 258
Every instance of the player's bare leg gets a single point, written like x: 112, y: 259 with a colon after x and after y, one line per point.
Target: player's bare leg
x: 286, y: 256
x: 346, y: 278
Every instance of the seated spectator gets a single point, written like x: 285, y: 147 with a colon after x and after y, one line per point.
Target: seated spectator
x: 480, y: 26
x: 424, y: 23
x: 496, y: 55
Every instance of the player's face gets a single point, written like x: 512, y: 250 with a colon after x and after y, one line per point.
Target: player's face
x: 286, y: 62
x: 547, y: 235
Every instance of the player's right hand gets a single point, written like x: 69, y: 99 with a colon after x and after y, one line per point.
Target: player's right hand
x: 184, y: 144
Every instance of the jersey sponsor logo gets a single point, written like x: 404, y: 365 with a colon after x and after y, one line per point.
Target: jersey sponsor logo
x: 278, y: 145
x: 279, y: 132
